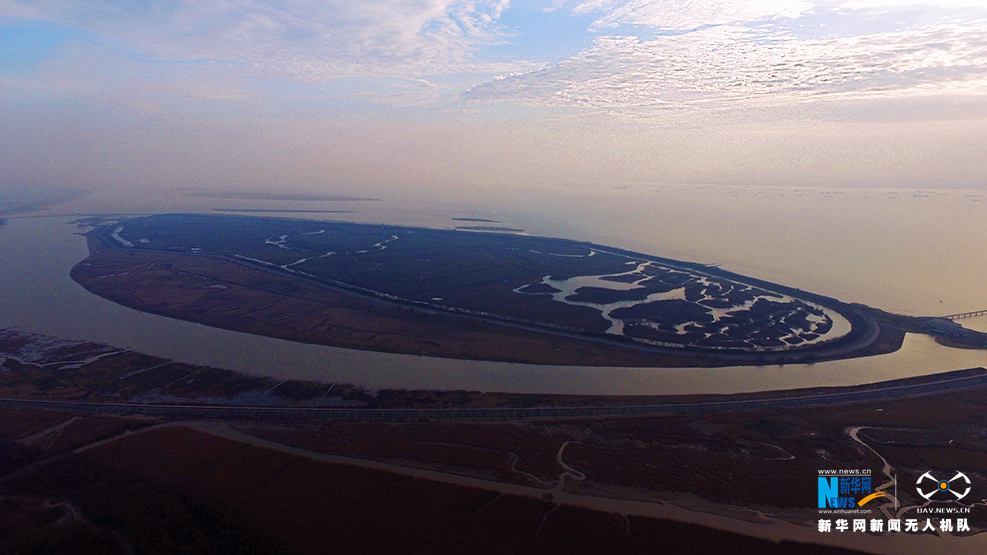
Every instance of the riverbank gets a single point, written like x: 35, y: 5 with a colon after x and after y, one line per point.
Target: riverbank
x: 685, y: 466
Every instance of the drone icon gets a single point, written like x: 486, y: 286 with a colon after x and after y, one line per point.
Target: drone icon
x: 943, y: 485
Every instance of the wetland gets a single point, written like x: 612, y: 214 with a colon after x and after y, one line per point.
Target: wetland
x: 448, y: 293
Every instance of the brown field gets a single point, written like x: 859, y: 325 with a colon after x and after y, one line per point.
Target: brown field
x: 173, y: 488
x: 764, y: 459
x: 318, y: 507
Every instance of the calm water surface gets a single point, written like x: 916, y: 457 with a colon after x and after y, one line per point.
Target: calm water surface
x: 891, y: 249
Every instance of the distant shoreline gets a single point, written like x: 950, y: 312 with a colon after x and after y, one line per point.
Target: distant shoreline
x: 249, y: 195
x: 277, y: 210
x: 489, y: 228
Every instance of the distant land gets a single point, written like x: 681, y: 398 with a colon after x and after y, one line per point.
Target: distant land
x: 20, y: 199
x: 502, y: 229
x: 485, y: 296
x: 478, y: 220
x: 258, y: 195
x: 282, y: 210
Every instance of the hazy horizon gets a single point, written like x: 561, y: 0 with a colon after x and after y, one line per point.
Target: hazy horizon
x: 495, y: 96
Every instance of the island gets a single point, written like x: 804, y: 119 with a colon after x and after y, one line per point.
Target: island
x: 460, y: 294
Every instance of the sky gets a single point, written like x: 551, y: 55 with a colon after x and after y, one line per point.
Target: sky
x: 351, y: 96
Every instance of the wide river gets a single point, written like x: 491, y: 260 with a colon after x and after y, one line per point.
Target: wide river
x: 919, y: 253
x: 913, y: 252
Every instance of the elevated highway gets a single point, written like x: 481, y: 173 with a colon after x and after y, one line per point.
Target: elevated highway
x: 950, y: 382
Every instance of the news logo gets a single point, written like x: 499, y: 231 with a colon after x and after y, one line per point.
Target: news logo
x: 953, y: 485
x: 845, y: 489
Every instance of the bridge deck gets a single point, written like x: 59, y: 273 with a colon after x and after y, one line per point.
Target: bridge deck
x: 965, y: 315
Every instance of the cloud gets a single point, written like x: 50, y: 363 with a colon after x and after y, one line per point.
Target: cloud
x: 691, y: 14
x: 311, y: 39
x: 727, y: 54
x: 690, y: 54
x: 726, y: 66
x: 688, y: 14
x: 891, y: 4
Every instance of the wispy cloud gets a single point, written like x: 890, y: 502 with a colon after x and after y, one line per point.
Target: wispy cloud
x: 311, y: 39
x: 692, y: 14
x: 753, y: 61
x: 687, y: 14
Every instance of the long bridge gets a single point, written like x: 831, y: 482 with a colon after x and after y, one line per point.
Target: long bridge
x: 965, y: 315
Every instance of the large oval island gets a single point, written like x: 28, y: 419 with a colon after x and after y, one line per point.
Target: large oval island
x: 463, y: 294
